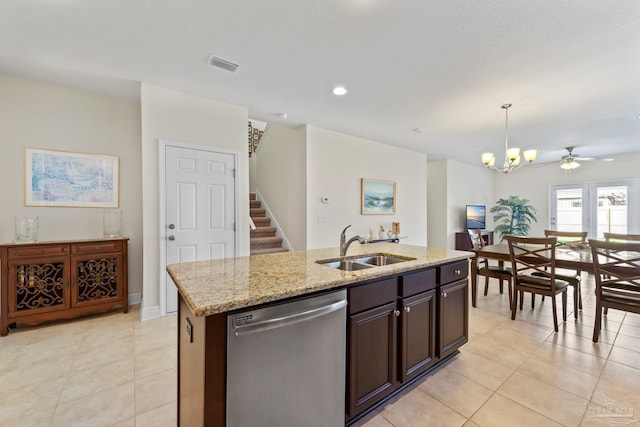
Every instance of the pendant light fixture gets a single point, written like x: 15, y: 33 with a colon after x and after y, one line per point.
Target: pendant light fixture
x: 511, y: 155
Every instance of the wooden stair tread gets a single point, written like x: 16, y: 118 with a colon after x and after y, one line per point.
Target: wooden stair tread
x: 263, y: 232
x: 261, y: 220
x: 263, y: 239
x: 260, y: 240
x: 268, y: 251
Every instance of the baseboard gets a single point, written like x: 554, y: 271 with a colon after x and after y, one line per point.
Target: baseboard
x: 148, y: 313
x: 135, y: 299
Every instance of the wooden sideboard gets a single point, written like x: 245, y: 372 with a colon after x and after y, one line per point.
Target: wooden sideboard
x: 45, y: 281
x: 463, y: 243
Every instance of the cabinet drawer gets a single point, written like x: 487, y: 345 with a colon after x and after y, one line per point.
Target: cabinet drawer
x: 452, y: 272
x: 38, y: 251
x: 414, y: 283
x: 96, y: 247
x: 372, y: 295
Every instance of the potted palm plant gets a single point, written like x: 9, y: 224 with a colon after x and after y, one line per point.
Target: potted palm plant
x: 513, y: 216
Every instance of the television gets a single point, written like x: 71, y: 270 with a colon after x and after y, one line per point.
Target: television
x: 476, y: 217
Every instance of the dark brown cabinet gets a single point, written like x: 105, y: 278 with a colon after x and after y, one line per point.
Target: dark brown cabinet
x: 453, y: 308
x: 401, y: 327
x: 417, y: 306
x: 391, y: 336
x: 372, y: 366
x: 463, y: 243
x: 371, y: 347
x: 55, y: 280
x: 418, y: 319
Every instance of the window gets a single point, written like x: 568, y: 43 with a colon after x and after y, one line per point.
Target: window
x: 595, y: 207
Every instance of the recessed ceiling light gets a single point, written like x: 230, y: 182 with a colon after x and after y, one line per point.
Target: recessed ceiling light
x: 421, y: 129
x: 339, y: 90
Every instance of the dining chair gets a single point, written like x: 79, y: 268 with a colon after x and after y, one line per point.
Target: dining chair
x: 531, y: 255
x: 488, y: 271
x: 617, y: 271
x: 619, y: 237
x: 568, y: 238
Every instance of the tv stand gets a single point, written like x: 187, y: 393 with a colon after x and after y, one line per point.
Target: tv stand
x: 463, y: 243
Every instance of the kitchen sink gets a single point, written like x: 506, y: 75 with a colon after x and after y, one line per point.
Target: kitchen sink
x: 380, y: 260
x: 362, y: 262
x: 347, y: 265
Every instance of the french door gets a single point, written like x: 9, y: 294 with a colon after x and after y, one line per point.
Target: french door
x: 595, y: 207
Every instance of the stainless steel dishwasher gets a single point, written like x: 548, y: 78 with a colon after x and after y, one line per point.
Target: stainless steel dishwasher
x: 286, y: 364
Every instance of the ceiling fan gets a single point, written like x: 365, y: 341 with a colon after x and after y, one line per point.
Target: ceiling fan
x: 570, y: 160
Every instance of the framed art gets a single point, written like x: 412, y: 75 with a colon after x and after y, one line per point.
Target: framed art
x: 378, y: 197
x: 60, y: 178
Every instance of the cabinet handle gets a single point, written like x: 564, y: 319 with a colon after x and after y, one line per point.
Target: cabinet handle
x: 407, y: 309
x: 396, y: 312
x: 457, y: 272
x: 444, y: 294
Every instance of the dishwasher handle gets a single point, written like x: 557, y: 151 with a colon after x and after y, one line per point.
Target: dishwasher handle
x: 280, y: 322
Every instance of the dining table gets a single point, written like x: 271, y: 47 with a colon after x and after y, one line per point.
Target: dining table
x: 569, y: 256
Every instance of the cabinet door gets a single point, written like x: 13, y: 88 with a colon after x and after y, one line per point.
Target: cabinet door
x: 454, y: 317
x: 372, y: 356
x: 417, y: 348
x: 38, y: 285
x: 96, y: 279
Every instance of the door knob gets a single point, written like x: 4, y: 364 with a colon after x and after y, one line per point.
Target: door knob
x: 172, y: 237
x: 171, y: 226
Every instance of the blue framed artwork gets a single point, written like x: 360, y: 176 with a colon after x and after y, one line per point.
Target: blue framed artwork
x: 378, y: 197
x: 60, y: 178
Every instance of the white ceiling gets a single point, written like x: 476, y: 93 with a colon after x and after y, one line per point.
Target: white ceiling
x: 570, y: 68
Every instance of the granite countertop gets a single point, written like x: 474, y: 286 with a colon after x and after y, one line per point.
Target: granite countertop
x: 222, y: 285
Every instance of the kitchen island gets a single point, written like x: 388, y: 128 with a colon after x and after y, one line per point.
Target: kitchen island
x: 403, y: 319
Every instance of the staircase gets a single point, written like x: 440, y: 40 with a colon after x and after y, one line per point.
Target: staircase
x: 263, y: 238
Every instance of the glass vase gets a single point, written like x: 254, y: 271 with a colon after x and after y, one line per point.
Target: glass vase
x: 27, y: 228
x: 111, y: 220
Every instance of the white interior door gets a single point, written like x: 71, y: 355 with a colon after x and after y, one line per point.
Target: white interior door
x: 199, y: 209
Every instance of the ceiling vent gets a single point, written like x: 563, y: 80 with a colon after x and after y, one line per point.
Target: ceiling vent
x: 221, y: 63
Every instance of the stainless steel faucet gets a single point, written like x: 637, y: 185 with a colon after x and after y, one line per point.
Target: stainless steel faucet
x: 344, y: 243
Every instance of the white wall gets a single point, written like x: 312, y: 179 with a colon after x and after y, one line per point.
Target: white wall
x: 336, y: 163
x: 281, y: 180
x: 437, y: 204
x: 39, y: 115
x: 532, y: 182
x: 467, y: 185
x: 452, y: 186
x: 182, y: 117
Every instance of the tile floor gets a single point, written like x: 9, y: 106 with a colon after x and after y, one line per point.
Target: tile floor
x: 113, y: 370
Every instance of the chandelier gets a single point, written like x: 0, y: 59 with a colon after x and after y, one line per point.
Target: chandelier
x: 511, y: 155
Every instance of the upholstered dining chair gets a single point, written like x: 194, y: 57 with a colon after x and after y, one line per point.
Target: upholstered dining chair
x: 617, y: 271
x: 537, y: 255
x: 488, y: 271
